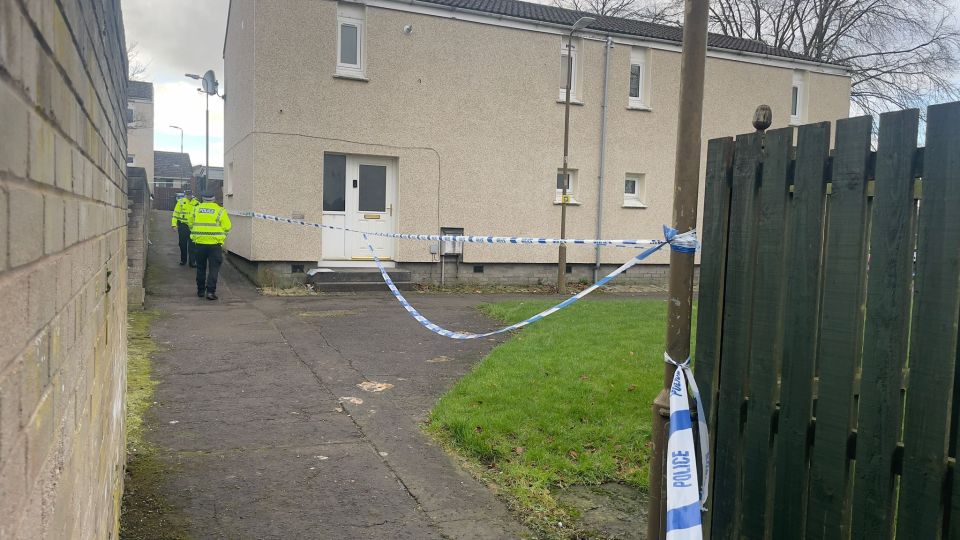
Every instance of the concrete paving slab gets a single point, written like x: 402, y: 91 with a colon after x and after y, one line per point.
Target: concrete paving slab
x: 250, y: 418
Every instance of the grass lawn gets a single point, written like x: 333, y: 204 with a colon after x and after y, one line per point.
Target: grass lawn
x: 564, y: 401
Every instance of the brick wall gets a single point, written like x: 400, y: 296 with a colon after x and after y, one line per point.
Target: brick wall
x: 62, y: 267
x: 138, y: 217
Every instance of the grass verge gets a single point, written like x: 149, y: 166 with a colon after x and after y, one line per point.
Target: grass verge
x: 565, y: 401
x: 145, y: 513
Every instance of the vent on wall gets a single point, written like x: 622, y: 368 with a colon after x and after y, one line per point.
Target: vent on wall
x: 478, y: 269
x: 296, y: 268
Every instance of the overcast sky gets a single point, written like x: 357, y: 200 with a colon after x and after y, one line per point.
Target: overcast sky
x: 174, y: 37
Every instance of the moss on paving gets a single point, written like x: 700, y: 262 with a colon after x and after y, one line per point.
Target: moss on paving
x: 565, y: 401
x: 145, y: 511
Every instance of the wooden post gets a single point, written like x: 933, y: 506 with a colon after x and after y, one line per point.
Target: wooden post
x: 686, y: 189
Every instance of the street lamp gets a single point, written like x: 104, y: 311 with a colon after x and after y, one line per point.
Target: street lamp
x: 210, y: 84
x: 181, y: 137
x: 581, y: 23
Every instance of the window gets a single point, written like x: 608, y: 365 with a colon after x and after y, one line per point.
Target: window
x: 130, y: 159
x: 634, y: 191
x: 334, y: 183
x: 350, y: 51
x: 798, y: 98
x: 563, y: 72
x: 571, y: 182
x: 639, y: 79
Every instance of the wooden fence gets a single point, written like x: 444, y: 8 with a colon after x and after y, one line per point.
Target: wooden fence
x: 827, y: 329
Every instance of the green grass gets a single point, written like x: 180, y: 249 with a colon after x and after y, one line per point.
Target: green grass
x: 145, y: 511
x: 565, y: 401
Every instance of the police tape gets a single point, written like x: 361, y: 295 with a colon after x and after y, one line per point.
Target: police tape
x: 681, y: 242
x: 684, y: 503
x: 470, y: 239
x: 685, y: 243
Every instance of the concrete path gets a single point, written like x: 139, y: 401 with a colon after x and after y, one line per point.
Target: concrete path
x: 259, y: 411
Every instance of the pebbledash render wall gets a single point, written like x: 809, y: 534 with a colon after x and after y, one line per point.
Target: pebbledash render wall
x: 62, y: 268
x: 470, y: 111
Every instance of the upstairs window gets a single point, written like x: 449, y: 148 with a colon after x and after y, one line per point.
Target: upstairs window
x: 563, y: 71
x: 639, y: 83
x: 350, y: 32
x: 798, y: 98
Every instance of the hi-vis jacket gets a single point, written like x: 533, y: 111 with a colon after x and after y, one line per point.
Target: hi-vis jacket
x: 182, y: 211
x: 209, y: 224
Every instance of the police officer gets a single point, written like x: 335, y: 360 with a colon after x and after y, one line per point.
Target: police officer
x: 209, y: 225
x: 181, y: 211
x: 193, y: 204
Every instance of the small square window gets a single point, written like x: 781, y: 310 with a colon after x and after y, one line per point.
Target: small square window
x: 130, y: 159
x: 634, y: 191
x: 571, y: 184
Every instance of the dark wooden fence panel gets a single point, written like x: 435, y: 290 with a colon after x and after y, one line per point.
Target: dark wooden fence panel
x: 824, y: 426
x: 801, y: 326
x: 887, y: 325
x: 735, y: 344
x: 840, y: 328
x: 716, y: 222
x: 933, y: 342
x: 766, y: 330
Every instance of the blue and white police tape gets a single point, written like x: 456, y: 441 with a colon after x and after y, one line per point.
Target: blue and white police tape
x: 474, y: 239
x: 684, y: 503
x: 685, y: 243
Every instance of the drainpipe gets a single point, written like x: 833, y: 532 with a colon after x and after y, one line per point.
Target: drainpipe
x: 603, y: 144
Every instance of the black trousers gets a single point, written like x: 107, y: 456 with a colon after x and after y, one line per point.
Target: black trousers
x: 186, y: 246
x: 209, y: 259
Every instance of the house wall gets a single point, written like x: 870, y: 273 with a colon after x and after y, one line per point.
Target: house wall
x: 470, y: 112
x: 62, y: 268
x: 140, y: 137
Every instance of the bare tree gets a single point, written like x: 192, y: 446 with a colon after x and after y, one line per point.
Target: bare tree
x: 901, y: 53
x: 136, y: 68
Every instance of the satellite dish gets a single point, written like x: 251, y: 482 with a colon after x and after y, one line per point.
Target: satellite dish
x: 210, y: 84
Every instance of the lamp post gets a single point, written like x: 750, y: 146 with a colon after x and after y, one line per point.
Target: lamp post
x: 210, y: 85
x: 686, y: 186
x: 181, y: 137
x: 581, y: 23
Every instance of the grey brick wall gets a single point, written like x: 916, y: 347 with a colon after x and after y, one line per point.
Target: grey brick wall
x: 62, y: 267
x: 138, y: 216
x: 654, y: 275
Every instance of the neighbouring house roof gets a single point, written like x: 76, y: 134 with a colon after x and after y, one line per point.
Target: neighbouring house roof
x: 216, y: 173
x: 615, y: 25
x: 171, y: 165
x: 140, y: 90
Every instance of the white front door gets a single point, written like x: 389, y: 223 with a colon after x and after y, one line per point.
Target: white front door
x: 361, y: 196
x: 370, y: 205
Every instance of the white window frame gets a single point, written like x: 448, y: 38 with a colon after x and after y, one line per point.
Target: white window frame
x: 799, y: 86
x: 639, y: 197
x: 640, y: 56
x: 352, y: 15
x: 571, y: 189
x: 574, y: 68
